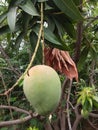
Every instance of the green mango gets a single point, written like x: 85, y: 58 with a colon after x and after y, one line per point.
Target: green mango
x: 42, y: 87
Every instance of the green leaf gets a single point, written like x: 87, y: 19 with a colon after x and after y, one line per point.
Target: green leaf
x: 60, y: 28
x: 2, y: 60
x: 20, y: 82
x: 65, y: 26
x: 90, y: 101
x: 6, y: 29
x: 69, y: 8
x: 83, y: 57
x: 95, y: 104
x: 50, y: 22
x: 2, y: 17
x: 84, y: 113
x: 47, y: 7
x: 95, y: 98
x: 25, y: 21
x: 18, y: 40
x: 50, y: 37
x: 29, y: 8
x: 11, y: 18
x: 33, y: 40
x: 79, y: 100
x: 17, y: 2
x: 77, y: 2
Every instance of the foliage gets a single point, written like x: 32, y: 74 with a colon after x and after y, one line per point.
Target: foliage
x: 67, y: 26
x: 88, y: 98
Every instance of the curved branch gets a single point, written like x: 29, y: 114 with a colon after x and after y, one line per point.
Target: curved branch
x: 17, y: 121
x: 93, y: 115
x: 78, y: 117
x: 68, y: 109
x: 92, y: 125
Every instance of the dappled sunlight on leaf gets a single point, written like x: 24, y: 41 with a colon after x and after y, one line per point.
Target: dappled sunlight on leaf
x: 61, y: 61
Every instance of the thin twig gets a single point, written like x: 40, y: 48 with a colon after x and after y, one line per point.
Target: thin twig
x: 92, y: 125
x: 42, y: 22
x: 68, y: 108
x: 92, y: 73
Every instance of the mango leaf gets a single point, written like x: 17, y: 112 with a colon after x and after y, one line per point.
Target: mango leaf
x: 20, y: 82
x: 33, y: 40
x: 50, y: 22
x: 60, y: 28
x: 11, y: 17
x: 29, y: 8
x: 18, y: 40
x: 2, y: 60
x: 95, y: 104
x: 90, y: 101
x: 83, y: 57
x: 84, y: 113
x: 16, y: 3
x: 69, y: 8
x: 6, y: 29
x: 25, y: 21
x: 47, y: 7
x: 50, y: 37
x: 95, y: 98
x: 77, y: 2
x: 2, y: 17
x: 65, y: 26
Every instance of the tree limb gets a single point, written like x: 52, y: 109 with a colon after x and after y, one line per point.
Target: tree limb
x: 68, y: 109
x: 17, y: 121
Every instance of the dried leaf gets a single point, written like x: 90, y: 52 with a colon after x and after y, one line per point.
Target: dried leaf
x: 62, y: 62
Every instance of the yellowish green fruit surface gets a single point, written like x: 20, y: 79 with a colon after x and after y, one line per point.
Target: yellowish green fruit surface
x: 42, y: 88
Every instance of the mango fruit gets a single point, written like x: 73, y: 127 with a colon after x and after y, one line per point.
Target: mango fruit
x: 42, y: 88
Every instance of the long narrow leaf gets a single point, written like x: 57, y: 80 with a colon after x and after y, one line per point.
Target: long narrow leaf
x: 11, y: 18
x: 2, y: 17
x: 69, y: 8
x: 29, y: 8
x: 50, y: 37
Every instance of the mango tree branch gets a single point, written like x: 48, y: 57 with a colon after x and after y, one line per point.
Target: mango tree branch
x: 78, y: 117
x: 42, y: 22
x: 68, y: 108
x: 79, y: 38
x: 17, y: 121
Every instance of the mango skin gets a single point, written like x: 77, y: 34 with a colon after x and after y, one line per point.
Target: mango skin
x: 42, y: 87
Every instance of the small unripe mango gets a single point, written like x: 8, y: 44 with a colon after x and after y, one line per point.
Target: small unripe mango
x: 42, y: 88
